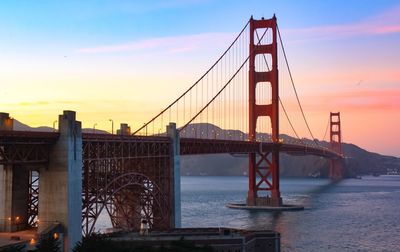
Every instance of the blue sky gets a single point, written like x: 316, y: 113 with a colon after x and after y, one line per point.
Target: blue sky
x: 79, y: 55
x: 85, y: 22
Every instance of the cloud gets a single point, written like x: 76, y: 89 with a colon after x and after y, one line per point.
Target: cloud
x: 45, y: 103
x: 149, y: 6
x: 173, y: 44
x: 387, y: 22
x: 365, y: 99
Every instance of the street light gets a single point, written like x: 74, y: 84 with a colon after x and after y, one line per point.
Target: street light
x: 112, y: 126
x: 94, y: 128
x: 145, y: 128
x: 54, y: 125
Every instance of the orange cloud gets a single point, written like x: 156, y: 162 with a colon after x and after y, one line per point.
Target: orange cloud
x: 367, y: 99
x: 44, y: 103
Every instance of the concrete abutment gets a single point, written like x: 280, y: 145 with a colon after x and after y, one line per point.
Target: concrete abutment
x: 60, y: 190
x: 175, y: 185
x: 14, y: 190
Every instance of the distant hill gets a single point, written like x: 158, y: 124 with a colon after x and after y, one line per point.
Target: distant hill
x: 23, y: 127
x: 18, y: 126
x: 358, y: 160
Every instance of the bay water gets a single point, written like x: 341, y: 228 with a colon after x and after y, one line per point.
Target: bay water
x: 351, y: 215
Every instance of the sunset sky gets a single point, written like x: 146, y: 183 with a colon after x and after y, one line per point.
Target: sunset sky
x: 126, y: 60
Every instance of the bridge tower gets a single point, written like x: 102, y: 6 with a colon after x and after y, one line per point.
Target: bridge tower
x: 264, y: 172
x: 336, y: 165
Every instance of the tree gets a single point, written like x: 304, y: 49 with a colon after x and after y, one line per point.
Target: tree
x: 95, y: 242
x: 48, y: 245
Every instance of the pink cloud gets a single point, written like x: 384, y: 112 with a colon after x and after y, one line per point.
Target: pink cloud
x: 176, y: 44
x: 387, y: 22
x: 367, y: 99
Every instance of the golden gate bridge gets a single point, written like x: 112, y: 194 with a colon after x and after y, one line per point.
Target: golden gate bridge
x: 69, y: 177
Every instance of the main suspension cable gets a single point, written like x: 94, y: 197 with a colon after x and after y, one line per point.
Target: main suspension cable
x: 280, y: 100
x: 195, y: 84
x: 326, y: 129
x: 294, y: 87
x: 222, y: 89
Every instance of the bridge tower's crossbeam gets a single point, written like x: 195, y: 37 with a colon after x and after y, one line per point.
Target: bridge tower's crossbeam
x: 264, y: 173
x: 336, y: 166
x: 335, y: 132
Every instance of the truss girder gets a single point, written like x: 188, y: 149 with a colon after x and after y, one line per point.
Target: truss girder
x: 129, y: 179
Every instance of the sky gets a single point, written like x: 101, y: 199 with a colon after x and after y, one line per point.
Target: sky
x: 125, y: 60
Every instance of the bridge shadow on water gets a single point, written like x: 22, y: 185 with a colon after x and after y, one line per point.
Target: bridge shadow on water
x: 323, y: 189
x: 258, y: 218
x: 290, y: 224
x: 326, y: 188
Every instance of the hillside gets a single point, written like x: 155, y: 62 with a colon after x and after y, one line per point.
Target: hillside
x: 358, y: 160
x: 18, y: 126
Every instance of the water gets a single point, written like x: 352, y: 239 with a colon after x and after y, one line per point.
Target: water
x: 352, y: 215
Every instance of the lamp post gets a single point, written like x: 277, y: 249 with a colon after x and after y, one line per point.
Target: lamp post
x: 54, y: 125
x: 94, y: 128
x: 112, y: 126
x: 145, y: 129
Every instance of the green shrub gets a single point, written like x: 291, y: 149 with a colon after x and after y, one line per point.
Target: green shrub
x: 48, y: 245
x: 102, y: 243
x: 96, y: 243
x: 16, y: 248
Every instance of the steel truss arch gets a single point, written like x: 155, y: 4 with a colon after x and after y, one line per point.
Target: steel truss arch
x: 153, y: 203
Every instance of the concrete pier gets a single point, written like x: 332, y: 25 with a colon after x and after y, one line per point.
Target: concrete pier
x: 60, y: 190
x: 266, y: 208
x: 14, y: 191
x: 173, y: 133
x: 6, y: 122
x: 14, y: 196
x: 124, y: 130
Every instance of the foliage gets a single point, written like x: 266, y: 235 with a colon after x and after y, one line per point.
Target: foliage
x: 95, y: 242
x: 16, y: 248
x: 185, y: 246
x: 48, y: 245
x: 102, y: 243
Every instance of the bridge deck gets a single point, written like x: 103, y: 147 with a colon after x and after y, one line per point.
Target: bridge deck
x: 33, y: 147
x: 30, y: 137
x: 194, y: 146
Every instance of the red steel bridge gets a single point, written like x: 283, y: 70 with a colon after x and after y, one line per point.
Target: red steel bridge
x: 234, y: 107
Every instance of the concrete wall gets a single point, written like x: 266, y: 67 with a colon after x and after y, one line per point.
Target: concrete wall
x: 176, y: 175
x: 6, y: 122
x: 124, y: 130
x: 5, y: 198
x: 20, y: 198
x: 60, y: 190
x: 13, y: 190
x: 5, y: 183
